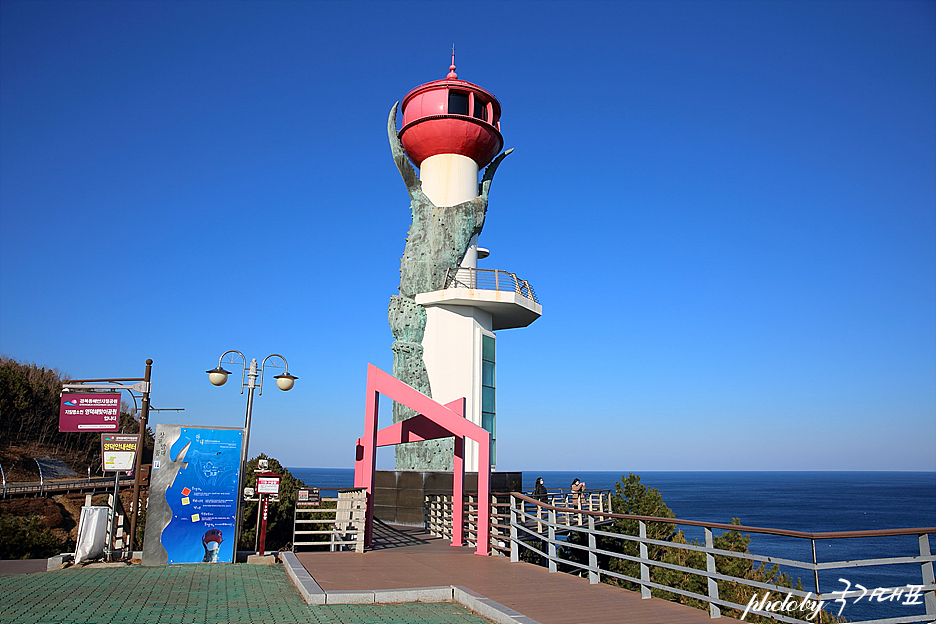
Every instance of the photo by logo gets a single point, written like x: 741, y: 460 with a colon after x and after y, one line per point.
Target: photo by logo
x: 911, y: 594
x: 809, y: 608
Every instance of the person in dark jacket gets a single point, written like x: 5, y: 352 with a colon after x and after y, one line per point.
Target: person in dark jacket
x: 577, y: 488
x: 539, y: 491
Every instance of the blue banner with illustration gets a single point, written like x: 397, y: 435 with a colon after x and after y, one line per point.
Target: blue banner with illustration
x: 194, y: 489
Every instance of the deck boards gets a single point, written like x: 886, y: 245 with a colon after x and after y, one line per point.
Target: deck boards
x: 405, y: 558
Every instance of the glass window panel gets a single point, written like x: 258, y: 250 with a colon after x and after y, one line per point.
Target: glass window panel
x: 487, y: 374
x: 458, y: 103
x: 487, y: 348
x: 487, y: 400
x: 480, y: 109
x: 488, y: 422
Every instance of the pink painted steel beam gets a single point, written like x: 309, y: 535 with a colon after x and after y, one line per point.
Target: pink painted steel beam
x: 415, y: 429
x: 434, y: 420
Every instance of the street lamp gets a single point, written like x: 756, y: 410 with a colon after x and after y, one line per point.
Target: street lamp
x: 218, y: 376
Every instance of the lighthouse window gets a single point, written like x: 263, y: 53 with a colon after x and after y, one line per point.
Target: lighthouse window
x: 458, y: 103
x: 480, y: 109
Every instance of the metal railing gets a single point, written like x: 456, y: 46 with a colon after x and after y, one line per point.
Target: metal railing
x: 526, y: 516
x: 438, y: 514
x: 46, y: 487
x: 342, y: 519
x: 489, y: 279
x: 587, y: 500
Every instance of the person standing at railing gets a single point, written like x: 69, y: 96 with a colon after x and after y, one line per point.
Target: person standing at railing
x: 539, y: 490
x: 578, y: 489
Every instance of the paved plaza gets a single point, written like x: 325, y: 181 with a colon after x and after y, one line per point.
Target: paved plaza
x: 193, y: 594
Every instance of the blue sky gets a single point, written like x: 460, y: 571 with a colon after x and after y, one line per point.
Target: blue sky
x: 727, y: 210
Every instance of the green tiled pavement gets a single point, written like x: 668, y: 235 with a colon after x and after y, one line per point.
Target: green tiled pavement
x: 192, y: 594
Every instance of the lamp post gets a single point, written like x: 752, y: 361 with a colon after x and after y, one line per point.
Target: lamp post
x: 218, y: 376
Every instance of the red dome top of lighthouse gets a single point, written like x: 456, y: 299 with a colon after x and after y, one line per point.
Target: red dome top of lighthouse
x: 451, y: 116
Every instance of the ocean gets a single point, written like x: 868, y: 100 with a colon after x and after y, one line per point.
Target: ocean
x: 800, y: 501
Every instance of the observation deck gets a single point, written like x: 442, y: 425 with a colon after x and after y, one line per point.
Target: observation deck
x: 509, y: 300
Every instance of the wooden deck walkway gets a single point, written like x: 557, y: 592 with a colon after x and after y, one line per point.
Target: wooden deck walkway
x: 405, y: 558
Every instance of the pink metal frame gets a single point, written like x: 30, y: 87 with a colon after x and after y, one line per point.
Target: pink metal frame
x: 433, y: 420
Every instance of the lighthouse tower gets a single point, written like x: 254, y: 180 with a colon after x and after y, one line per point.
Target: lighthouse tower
x: 451, y: 130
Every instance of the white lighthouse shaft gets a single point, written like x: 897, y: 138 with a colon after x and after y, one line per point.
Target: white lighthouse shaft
x: 452, y: 343
x: 449, y: 179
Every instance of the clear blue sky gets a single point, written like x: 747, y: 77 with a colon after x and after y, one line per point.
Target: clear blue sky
x: 727, y: 209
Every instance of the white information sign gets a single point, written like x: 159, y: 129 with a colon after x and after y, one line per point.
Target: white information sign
x: 268, y: 485
x: 118, y: 451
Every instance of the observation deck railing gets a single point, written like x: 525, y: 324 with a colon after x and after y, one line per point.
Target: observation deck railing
x: 489, y: 279
x: 335, y: 523
x: 438, y: 514
x: 527, y: 530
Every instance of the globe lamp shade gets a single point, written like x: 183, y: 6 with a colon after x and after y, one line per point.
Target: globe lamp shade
x: 285, y: 381
x: 218, y: 376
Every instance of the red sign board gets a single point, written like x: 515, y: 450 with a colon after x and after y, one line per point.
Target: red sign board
x: 97, y: 411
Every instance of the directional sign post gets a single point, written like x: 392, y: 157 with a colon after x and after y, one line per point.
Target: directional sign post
x: 72, y: 417
x: 267, y: 484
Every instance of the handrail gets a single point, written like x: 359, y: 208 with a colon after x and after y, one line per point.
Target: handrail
x: 526, y: 525
x: 48, y: 486
x: 741, y: 527
x: 488, y: 279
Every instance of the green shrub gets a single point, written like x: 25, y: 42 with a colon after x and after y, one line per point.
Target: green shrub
x: 26, y: 537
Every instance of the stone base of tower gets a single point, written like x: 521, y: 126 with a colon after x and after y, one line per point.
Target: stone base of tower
x: 400, y: 495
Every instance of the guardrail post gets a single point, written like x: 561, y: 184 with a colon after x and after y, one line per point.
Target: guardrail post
x: 551, y: 548
x: 360, y: 518
x: 714, y: 611
x: 514, y: 548
x: 427, y: 513
x: 497, y: 532
x: 928, y: 577
x: 593, y: 576
x: 644, y: 556
x: 815, y: 567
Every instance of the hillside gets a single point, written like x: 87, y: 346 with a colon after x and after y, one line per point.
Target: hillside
x: 29, y: 412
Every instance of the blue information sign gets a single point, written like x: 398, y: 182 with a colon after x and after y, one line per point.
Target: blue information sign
x: 201, y: 468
